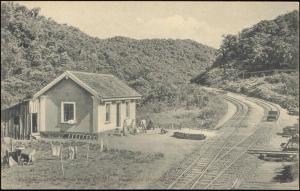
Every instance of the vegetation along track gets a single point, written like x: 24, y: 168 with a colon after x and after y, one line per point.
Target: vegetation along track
x: 213, y: 159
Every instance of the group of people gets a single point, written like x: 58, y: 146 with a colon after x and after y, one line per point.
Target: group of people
x: 146, y: 127
x: 130, y: 125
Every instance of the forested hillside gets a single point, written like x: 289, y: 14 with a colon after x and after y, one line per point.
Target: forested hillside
x: 35, y: 49
x: 272, y: 44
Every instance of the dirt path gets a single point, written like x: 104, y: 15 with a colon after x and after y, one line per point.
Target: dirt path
x: 231, y: 109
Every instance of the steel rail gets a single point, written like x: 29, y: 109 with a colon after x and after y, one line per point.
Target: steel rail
x: 241, y: 108
x: 262, y: 104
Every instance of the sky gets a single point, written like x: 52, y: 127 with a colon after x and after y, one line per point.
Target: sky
x: 204, y: 22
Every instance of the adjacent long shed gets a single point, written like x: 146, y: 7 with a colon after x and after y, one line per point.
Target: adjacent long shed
x: 74, y: 102
x: 16, y: 120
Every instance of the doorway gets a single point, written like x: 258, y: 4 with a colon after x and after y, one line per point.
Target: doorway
x: 118, y: 117
x: 34, y: 122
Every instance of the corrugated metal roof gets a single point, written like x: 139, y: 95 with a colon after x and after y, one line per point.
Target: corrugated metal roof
x: 106, y: 85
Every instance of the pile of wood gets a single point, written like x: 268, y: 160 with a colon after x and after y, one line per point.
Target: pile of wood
x: 290, y: 131
x: 181, y: 135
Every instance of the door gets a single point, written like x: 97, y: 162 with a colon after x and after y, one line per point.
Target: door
x: 118, y: 117
x: 34, y: 122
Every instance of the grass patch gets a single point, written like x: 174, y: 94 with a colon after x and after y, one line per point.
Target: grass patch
x: 111, y: 169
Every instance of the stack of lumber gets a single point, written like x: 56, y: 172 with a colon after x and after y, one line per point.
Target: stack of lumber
x: 181, y: 135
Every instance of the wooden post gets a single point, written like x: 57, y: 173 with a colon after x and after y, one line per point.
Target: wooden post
x: 24, y: 125
x: 27, y: 132
x: 101, y: 145
x: 5, y: 126
x: 21, y: 127
x: 75, y: 152
x: 11, y: 144
x: 87, y: 154
x: 107, y: 144
x: 11, y: 126
x: 27, y: 122
x: 13, y: 129
x: 61, y: 159
x: 8, y: 125
x: 123, y: 130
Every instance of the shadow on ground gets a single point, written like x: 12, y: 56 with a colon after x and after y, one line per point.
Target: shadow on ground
x: 287, y: 174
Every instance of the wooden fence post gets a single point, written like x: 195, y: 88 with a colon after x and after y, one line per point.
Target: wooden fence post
x: 87, y: 154
x: 11, y: 144
x: 107, y: 144
x: 101, y: 145
x: 61, y: 159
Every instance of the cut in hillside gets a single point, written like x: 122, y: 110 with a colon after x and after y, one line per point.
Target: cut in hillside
x: 35, y: 49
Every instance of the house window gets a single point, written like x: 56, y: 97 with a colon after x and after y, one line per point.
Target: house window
x: 127, y: 110
x: 68, y: 112
x: 107, y: 113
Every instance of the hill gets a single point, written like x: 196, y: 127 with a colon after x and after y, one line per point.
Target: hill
x: 272, y: 44
x: 36, y: 49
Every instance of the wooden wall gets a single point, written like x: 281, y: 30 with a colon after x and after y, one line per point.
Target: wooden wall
x: 15, y: 121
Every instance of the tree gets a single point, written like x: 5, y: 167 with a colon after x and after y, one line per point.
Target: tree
x: 228, y: 50
x: 35, y: 11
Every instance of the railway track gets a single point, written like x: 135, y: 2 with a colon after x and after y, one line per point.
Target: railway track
x: 266, y: 105
x: 206, y: 153
x: 240, y: 107
x: 228, y: 176
x: 207, y: 167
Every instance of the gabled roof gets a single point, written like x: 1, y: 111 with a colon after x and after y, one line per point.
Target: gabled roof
x: 103, y: 86
x: 107, y: 86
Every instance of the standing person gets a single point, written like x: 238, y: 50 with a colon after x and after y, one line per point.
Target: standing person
x: 143, y: 124
x: 150, y: 125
